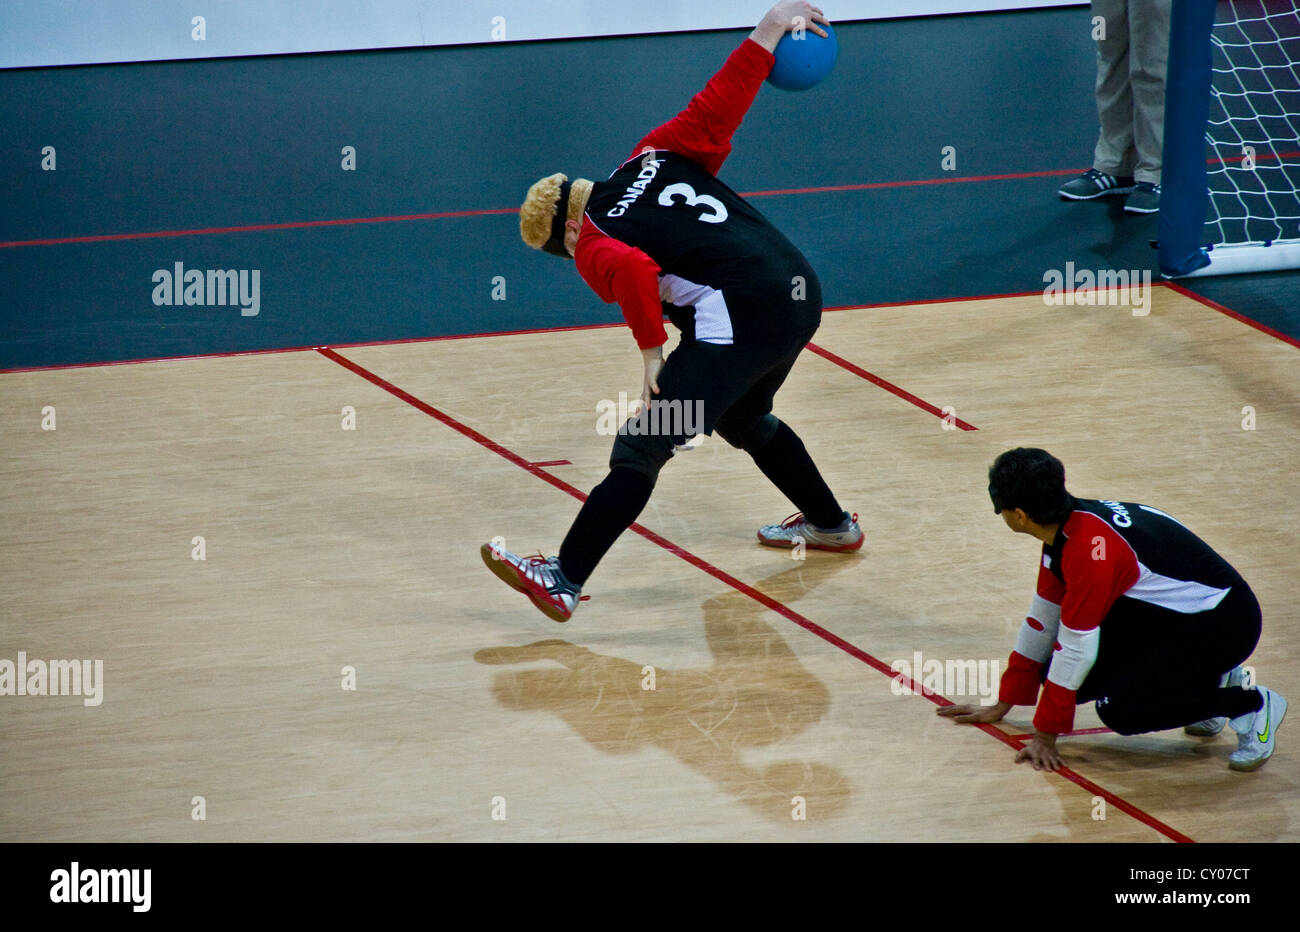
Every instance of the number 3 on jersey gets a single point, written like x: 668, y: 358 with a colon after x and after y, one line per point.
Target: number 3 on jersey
x: 718, y: 209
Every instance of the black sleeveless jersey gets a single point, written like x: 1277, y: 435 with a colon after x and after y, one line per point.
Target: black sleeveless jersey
x: 701, y: 232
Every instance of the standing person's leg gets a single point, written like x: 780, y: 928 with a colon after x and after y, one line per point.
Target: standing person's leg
x: 1115, y: 153
x: 699, y: 381
x: 699, y: 385
x: 1148, y: 62
x: 780, y: 455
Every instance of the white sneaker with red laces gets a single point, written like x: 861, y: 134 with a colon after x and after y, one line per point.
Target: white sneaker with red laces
x: 537, y: 577
x: 848, y: 536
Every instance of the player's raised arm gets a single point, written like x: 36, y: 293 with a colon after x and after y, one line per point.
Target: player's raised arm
x: 704, y: 129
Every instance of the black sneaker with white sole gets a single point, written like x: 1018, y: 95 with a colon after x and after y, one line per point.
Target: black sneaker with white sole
x: 1145, y: 199
x: 1093, y: 184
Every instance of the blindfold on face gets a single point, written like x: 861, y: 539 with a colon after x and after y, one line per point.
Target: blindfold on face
x: 555, y: 245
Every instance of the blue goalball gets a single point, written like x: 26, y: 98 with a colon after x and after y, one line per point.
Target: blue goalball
x: 802, y: 61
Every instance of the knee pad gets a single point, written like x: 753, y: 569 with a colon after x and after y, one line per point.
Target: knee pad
x: 645, y: 453
x: 752, y: 438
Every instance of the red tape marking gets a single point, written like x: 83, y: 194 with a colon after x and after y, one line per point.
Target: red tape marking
x: 886, y: 385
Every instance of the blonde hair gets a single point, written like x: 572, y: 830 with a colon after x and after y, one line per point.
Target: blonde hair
x: 538, y: 210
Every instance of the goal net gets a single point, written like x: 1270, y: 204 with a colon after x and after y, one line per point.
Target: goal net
x: 1239, y: 210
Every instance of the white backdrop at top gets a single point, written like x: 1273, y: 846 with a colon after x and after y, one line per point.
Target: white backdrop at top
x: 63, y: 32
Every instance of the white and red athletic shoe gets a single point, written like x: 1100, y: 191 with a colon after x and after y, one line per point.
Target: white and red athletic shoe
x: 848, y: 536
x: 537, y: 577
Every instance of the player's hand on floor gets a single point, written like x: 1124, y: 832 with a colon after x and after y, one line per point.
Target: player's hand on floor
x: 975, y: 714
x: 1041, y: 752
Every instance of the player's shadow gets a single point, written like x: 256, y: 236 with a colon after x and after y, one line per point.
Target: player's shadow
x: 757, y: 693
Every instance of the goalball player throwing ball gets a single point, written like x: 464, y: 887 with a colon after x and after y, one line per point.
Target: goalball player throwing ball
x: 664, y: 235
x: 1134, y: 612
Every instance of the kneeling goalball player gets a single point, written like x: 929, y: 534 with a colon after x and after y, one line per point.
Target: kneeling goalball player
x: 664, y: 235
x: 1134, y: 612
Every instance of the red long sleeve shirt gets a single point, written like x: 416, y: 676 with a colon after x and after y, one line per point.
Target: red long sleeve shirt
x: 1104, y: 551
x: 702, y: 132
x: 1063, y: 626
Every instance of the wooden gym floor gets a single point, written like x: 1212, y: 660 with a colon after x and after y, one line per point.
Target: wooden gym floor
x: 329, y: 548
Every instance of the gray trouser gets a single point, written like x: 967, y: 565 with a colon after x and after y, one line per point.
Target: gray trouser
x: 1131, y: 62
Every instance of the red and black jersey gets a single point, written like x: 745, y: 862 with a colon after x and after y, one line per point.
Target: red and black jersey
x: 664, y: 230
x: 1105, y: 551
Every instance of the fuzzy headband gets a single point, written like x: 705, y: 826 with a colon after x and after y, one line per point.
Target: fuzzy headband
x: 550, y: 203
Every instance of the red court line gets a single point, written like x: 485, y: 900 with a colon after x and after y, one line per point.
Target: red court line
x: 257, y: 228
x: 1214, y: 305
x: 762, y: 598
x: 456, y: 336
x: 886, y: 385
x: 347, y: 221
x: 1011, y: 176
x: 874, y: 185
x: 554, y: 463
x: 450, y: 214
x: 1069, y: 734
x: 954, y: 299
x: 573, y: 327
x: 466, y: 336
x: 314, y: 346
x: 463, y: 336
x: 1266, y: 157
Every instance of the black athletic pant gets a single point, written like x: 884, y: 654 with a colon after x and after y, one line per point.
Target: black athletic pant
x: 730, y: 388
x: 1157, y: 668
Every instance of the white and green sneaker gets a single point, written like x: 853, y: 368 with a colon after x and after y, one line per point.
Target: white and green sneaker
x: 1209, y: 727
x: 1257, y: 732
x: 1145, y: 199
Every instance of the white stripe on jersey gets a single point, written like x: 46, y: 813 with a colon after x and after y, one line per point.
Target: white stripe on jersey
x: 1157, y: 511
x: 1035, y: 644
x: 633, y: 158
x: 1181, y: 595
x: 712, y: 318
x: 1073, y: 662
